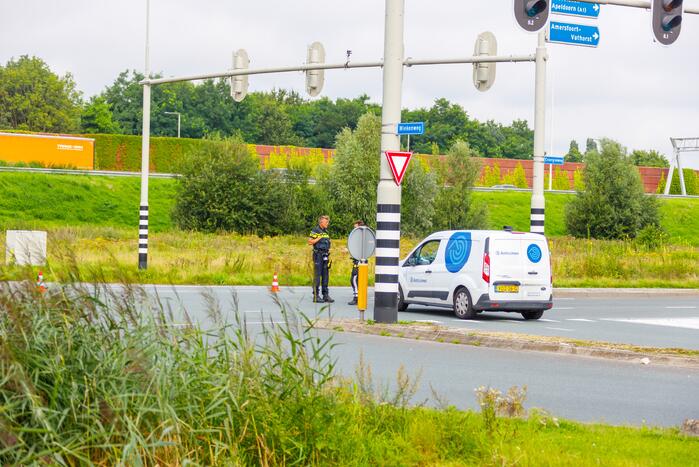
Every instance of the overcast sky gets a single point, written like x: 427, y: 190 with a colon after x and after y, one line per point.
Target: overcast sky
x: 628, y: 88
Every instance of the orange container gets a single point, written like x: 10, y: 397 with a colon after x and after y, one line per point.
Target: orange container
x: 49, y: 150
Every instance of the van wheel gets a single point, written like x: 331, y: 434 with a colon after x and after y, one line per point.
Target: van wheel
x: 536, y: 314
x: 402, y: 306
x: 463, y: 308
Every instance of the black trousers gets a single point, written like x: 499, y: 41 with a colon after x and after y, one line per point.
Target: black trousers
x: 321, y: 274
x: 353, y: 280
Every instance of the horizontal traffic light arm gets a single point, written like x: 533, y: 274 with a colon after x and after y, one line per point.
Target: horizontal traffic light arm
x: 637, y: 4
x: 337, y: 66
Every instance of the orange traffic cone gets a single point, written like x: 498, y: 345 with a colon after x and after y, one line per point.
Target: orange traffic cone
x: 40, y: 282
x: 275, y: 283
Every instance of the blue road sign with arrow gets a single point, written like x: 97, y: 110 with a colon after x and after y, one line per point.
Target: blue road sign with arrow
x: 554, y: 160
x: 573, y: 34
x: 572, y: 8
x: 414, y: 128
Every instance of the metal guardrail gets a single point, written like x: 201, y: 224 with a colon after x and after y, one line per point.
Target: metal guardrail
x: 102, y: 173
x: 117, y: 173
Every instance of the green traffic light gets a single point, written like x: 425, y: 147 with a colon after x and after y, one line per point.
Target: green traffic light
x: 534, y: 7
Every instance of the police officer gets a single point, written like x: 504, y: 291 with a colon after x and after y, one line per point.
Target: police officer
x: 355, y: 271
x: 320, y: 240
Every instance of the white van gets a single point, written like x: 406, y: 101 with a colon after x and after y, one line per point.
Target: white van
x: 479, y: 270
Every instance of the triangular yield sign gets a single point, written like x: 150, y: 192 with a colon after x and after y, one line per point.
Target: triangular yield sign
x: 398, y: 161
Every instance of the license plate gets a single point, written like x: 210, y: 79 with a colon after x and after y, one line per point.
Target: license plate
x: 507, y: 288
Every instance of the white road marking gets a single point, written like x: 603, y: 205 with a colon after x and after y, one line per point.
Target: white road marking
x: 471, y: 321
x: 253, y: 311
x: 583, y: 320
x: 680, y: 308
x: 686, y: 323
x: 432, y: 321
x: 512, y: 321
x: 560, y: 329
x: 563, y: 308
x: 548, y: 320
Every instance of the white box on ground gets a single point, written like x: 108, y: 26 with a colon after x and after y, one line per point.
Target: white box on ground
x: 25, y: 247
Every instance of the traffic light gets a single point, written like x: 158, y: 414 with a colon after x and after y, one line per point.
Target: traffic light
x: 315, y: 78
x: 484, y: 73
x: 667, y: 20
x: 239, y: 84
x: 531, y: 15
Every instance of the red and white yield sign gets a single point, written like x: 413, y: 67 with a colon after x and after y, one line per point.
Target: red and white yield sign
x: 398, y: 161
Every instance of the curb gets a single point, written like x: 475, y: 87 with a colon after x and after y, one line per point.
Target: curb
x: 510, y: 341
x: 608, y: 293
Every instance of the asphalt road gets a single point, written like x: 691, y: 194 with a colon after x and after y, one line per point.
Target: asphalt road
x: 645, y: 321
x: 579, y: 388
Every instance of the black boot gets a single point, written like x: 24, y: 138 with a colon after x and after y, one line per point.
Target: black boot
x: 327, y: 299
x: 353, y: 302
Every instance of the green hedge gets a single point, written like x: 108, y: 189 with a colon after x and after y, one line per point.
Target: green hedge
x: 123, y: 152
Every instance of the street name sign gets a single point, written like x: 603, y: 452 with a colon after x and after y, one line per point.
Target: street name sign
x: 554, y: 160
x: 398, y: 161
x: 413, y: 128
x: 572, y: 8
x: 573, y: 34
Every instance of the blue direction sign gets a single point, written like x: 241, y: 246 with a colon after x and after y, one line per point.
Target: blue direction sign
x: 572, y: 8
x: 414, y: 128
x: 573, y: 34
x: 554, y: 160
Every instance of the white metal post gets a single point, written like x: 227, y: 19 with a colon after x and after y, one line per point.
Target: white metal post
x: 538, y: 202
x: 550, y: 177
x: 683, y: 188
x: 388, y: 193
x: 179, y: 116
x: 145, y: 149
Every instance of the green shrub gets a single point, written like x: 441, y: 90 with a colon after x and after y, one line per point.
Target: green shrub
x: 491, y: 175
x: 123, y: 152
x: 223, y: 189
x: 455, y: 208
x: 578, y: 180
x: 560, y: 179
x: 652, y: 237
x: 613, y: 204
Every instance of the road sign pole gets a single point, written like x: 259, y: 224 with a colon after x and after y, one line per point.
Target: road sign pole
x: 550, y: 177
x: 538, y: 203
x: 145, y: 149
x: 389, y: 193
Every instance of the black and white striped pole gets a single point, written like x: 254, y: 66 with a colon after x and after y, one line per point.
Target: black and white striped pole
x: 389, y: 193
x: 145, y: 160
x: 538, y: 203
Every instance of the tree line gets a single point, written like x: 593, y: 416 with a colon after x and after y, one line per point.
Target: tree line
x: 33, y: 98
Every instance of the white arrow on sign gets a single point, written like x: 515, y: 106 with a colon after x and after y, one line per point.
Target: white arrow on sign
x: 595, y: 7
x: 398, y: 161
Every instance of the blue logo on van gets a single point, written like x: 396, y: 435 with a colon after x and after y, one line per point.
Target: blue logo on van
x: 458, y: 250
x: 534, y: 253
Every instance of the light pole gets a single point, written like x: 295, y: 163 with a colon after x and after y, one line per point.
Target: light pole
x: 538, y: 202
x: 389, y: 193
x: 145, y: 150
x: 179, y: 115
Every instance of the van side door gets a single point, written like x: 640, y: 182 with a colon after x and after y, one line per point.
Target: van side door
x: 419, y: 268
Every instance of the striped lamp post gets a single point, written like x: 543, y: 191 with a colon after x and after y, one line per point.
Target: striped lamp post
x: 389, y: 193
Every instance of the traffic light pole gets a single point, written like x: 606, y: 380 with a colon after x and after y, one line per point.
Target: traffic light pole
x: 145, y: 158
x: 389, y: 193
x: 537, y: 215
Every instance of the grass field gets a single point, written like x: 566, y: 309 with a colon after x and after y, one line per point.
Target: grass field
x: 93, y: 220
x: 87, y: 384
